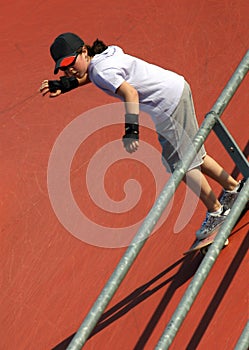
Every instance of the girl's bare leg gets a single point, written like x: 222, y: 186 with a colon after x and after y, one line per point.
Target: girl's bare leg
x: 200, y: 186
x: 212, y: 169
x: 196, y: 180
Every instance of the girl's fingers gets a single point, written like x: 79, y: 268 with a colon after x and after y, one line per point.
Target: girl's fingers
x: 44, y: 85
x: 44, y: 89
x: 54, y: 94
x: 132, y: 147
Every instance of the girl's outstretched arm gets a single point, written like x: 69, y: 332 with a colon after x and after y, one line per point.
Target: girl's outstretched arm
x: 130, y: 97
x: 53, y: 86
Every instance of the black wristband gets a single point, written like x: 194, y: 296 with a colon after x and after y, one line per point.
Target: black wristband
x: 131, y: 128
x: 131, y: 125
x: 65, y: 84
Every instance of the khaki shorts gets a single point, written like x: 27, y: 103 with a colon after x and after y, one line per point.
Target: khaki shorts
x: 176, y: 133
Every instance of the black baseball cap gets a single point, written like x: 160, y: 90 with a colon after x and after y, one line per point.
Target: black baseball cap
x: 64, y: 49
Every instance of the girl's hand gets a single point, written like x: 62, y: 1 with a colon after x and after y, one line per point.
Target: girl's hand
x: 44, y: 90
x: 131, y: 145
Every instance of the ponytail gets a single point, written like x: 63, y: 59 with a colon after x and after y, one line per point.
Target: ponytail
x: 97, y: 47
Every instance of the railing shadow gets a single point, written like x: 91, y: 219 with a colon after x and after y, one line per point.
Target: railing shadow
x: 188, y: 266
x: 221, y: 291
x: 235, y: 173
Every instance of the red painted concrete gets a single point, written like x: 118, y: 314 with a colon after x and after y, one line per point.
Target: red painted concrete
x: 49, y: 278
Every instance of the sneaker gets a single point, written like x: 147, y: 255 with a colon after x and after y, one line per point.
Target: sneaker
x: 212, y: 222
x: 229, y: 197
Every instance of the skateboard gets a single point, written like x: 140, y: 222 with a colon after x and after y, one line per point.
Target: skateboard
x: 203, y: 244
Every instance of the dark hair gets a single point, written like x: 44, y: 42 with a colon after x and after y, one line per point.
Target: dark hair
x: 97, y: 47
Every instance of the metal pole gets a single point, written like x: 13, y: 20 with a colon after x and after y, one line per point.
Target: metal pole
x: 203, y: 270
x: 150, y: 221
x: 243, y: 342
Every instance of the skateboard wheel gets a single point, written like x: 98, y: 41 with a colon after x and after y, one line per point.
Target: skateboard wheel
x: 226, y: 243
x: 204, y: 250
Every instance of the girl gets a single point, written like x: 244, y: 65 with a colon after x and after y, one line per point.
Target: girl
x: 165, y: 95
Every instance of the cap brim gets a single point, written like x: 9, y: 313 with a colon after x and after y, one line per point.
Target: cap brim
x: 64, y: 62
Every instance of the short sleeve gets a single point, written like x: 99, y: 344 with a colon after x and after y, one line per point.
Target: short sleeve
x: 108, y: 79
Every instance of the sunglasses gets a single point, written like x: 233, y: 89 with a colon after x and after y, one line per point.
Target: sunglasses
x: 67, y: 62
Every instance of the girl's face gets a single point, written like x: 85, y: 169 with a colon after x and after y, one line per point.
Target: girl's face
x: 80, y: 66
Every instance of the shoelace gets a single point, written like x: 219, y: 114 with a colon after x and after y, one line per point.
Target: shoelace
x: 210, y: 220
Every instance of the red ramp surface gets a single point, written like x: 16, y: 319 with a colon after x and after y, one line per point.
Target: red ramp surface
x: 49, y: 277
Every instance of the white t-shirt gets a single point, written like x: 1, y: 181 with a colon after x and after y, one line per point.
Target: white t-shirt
x: 159, y: 89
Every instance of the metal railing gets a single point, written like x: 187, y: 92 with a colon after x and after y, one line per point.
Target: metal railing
x: 210, y: 122
x: 243, y: 342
